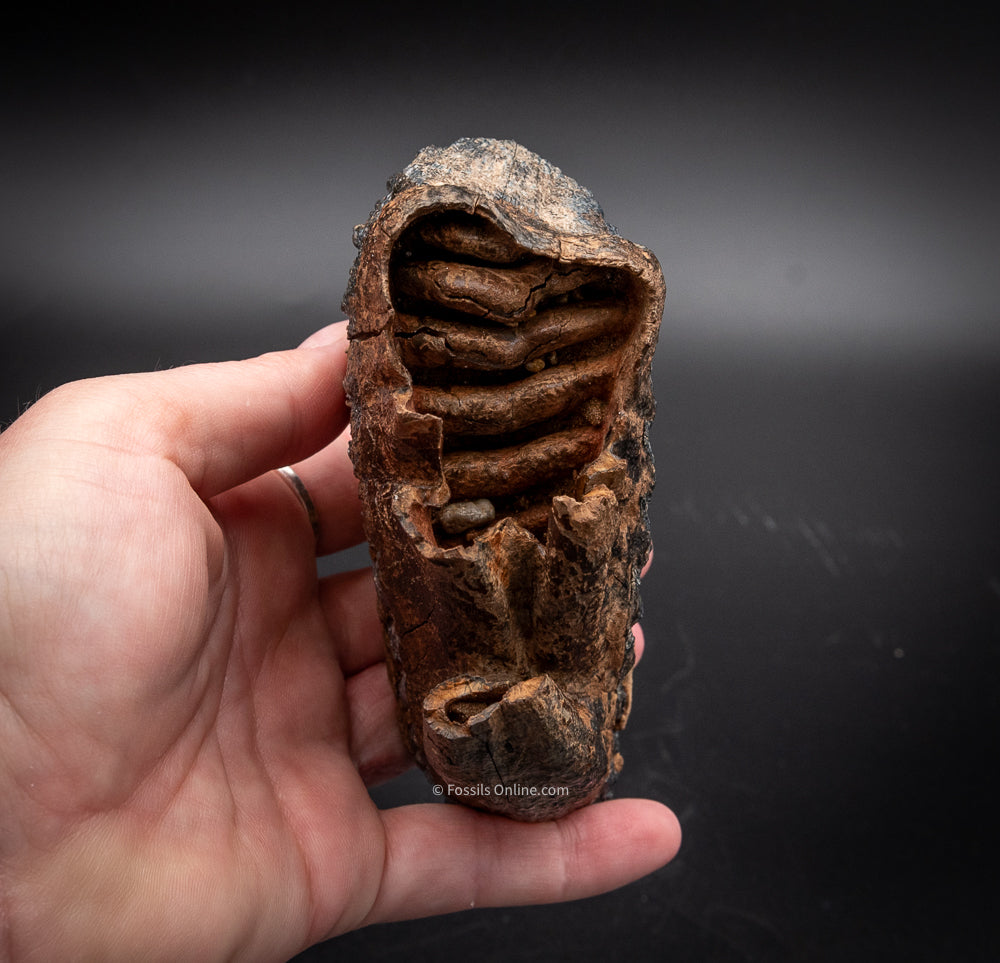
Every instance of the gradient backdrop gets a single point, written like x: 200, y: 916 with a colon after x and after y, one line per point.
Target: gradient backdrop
x: 818, y: 698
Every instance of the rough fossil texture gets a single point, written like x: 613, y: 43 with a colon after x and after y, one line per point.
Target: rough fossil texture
x: 501, y: 337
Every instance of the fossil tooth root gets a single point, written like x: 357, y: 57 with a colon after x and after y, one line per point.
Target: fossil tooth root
x: 501, y: 342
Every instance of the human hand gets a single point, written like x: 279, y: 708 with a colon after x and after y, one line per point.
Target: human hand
x: 189, y: 719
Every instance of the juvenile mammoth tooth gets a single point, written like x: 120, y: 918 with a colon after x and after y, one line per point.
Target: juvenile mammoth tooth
x: 501, y: 339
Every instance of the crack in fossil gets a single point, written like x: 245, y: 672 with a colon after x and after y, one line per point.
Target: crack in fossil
x: 487, y: 746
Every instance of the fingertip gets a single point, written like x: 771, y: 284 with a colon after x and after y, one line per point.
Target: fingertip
x: 331, y: 334
x: 639, y: 641
x: 665, y: 830
x: 647, y: 836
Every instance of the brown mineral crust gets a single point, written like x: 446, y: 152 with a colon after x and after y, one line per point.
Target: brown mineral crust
x: 499, y: 377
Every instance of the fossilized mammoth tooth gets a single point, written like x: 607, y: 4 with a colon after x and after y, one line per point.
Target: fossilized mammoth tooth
x: 501, y: 337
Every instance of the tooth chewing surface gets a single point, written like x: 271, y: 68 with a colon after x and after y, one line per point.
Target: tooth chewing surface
x: 517, y: 354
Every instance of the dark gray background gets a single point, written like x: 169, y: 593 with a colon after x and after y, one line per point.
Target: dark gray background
x: 818, y: 697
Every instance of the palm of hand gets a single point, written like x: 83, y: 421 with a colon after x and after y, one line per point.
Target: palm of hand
x: 218, y: 761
